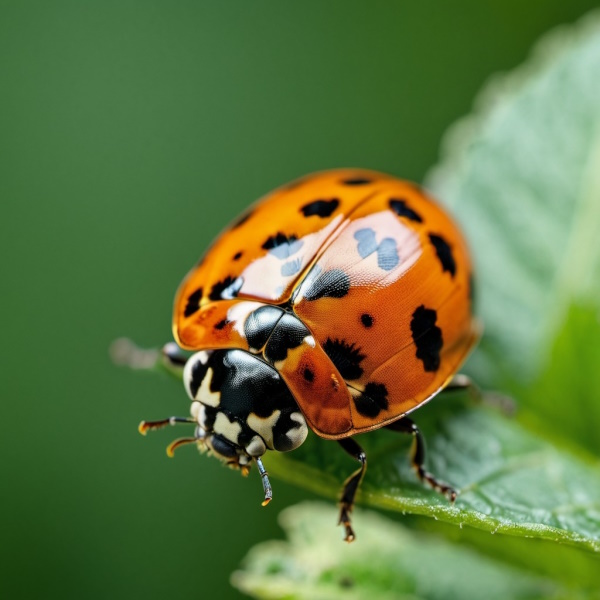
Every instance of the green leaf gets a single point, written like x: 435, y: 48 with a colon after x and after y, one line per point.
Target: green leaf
x: 510, y: 481
x: 389, y: 563
x: 567, y: 390
x: 572, y: 567
x: 522, y: 174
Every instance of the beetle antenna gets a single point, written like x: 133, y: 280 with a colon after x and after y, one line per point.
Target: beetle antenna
x: 265, y: 481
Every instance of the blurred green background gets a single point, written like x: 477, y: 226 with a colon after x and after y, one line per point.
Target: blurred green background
x: 130, y: 134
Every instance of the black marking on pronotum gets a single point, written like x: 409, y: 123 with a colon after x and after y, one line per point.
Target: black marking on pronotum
x: 402, y: 210
x: 288, y: 334
x: 325, y: 284
x: 237, y: 255
x: 226, y: 289
x: 282, y: 246
x: 356, y: 181
x: 260, y: 324
x: 444, y: 253
x: 346, y: 358
x: 193, y: 303
x: 221, y: 324
x: 198, y: 373
x: 387, y: 252
x: 247, y: 385
x: 427, y: 337
x: 320, y: 208
x: 291, y: 267
x: 210, y: 416
x: 366, y: 319
x: 373, y: 400
x: 308, y: 375
x: 242, y: 219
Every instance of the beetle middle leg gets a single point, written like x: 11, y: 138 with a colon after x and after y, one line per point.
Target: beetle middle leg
x: 174, y: 356
x: 495, y: 400
x: 351, y: 485
x: 406, y: 425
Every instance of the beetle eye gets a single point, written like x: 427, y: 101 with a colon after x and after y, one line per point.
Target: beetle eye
x: 222, y: 447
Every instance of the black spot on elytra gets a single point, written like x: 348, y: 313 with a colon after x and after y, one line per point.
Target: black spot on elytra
x: 328, y: 284
x: 282, y: 246
x: 226, y: 289
x: 260, y: 324
x: 366, y: 319
x: 237, y: 255
x: 402, y: 210
x: 242, y: 219
x: 427, y: 337
x: 221, y: 324
x: 308, y: 375
x: 193, y: 303
x: 387, y: 252
x: 444, y: 253
x: 346, y: 358
x: 288, y: 334
x: 356, y: 181
x: 320, y: 208
x: 373, y: 400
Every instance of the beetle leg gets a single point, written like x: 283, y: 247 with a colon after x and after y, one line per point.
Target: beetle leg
x: 265, y: 481
x: 351, y: 485
x: 463, y: 382
x: 174, y: 356
x: 504, y: 404
x: 406, y: 425
x: 146, y: 426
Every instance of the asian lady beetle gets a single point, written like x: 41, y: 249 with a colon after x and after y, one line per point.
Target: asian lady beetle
x: 340, y: 303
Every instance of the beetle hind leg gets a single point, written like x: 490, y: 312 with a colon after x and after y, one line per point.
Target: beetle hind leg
x: 406, y: 425
x: 351, y: 485
x: 496, y: 400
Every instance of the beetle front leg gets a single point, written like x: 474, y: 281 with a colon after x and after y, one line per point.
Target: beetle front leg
x: 146, y: 426
x: 406, y: 425
x: 351, y: 485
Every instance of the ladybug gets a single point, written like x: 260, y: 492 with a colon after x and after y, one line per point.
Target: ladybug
x: 338, y: 303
